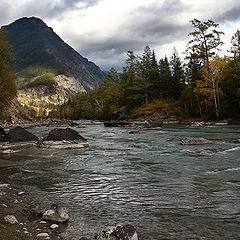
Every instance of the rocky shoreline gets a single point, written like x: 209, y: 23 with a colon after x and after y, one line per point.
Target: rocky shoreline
x: 19, y: 216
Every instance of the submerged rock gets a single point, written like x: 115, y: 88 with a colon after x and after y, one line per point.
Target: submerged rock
x: 56, y: 214
x: 63, y: 139
x: 195, y: 141
x: 125, y: 232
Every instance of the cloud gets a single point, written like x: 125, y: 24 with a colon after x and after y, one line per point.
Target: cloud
x: 104, y: 30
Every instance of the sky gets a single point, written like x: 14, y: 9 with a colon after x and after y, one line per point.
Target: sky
x: 104, y: 30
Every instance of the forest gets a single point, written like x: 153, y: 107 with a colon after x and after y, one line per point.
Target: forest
x: 205, y: 85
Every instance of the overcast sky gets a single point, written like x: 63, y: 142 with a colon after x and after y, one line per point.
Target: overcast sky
x: 104, y: 30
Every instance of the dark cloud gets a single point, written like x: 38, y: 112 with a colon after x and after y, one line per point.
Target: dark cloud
x: 49, y: 9
x: 232, y: 14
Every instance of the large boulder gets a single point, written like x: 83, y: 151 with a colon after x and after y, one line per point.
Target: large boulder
x: 125, y: 232
x: 195, y: 141
x: 63, y: 139
x: 19, y: 134
x: 56, y: 214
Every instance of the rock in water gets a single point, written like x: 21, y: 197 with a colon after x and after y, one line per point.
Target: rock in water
x: 56, y: 214
x: 2, y: 134
x: 19, y: 134
x: 59, y: 134
x: 195, y: 141
x: 125, y: 232
x: 63, y: 139
x: 11, y: 219
x: 153, y: 124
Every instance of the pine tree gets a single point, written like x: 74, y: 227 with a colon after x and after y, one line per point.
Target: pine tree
x: 178, y: 80
x: 7, y: 84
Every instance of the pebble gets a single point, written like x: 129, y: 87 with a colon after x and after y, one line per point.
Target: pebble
x: 53, y: 226
x: 4, y: 185
x: 25, y: 229
x: 10, y: 219
x: 43, y: 235
x: 26, y: 232
x: 21, y: 193
x: 16, y: 201
x: 4, y: 205
x: 43, y: 222
x: 21, y: 224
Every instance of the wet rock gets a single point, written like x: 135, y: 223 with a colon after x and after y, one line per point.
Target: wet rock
x: 125, y: 232
x: 56, y: 214
x: 195, y: 141
x: 153, y: 124
x: 197, y: 124
x: 19, y: 134
x: 235, y: 141
x: 63, y: 139
x: 2, y: 134
x: 10, y: 219
x: 42, y: 235
x: 116, y: 123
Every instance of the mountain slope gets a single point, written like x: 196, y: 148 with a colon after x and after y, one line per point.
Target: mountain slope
x: 36, y: 44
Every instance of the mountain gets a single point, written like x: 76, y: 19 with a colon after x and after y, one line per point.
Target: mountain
x: 37, y: 44
x: 48, y: 70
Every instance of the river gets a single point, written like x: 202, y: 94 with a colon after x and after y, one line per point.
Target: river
x: 164, y: 189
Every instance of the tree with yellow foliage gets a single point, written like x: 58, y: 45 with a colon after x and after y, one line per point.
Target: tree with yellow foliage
x: 7, y: 84
x: 210, y: 85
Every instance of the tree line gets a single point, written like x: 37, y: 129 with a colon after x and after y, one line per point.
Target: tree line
x: 205, y: 84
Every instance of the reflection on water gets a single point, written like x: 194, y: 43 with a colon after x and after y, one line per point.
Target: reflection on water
x: 166, y: 190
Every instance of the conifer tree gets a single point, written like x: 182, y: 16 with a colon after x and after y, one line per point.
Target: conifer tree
x: 7, y: 84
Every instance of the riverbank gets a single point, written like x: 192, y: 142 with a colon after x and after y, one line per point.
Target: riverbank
x: 16, y: 201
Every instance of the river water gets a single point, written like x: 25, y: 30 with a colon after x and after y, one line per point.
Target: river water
x: 164, y: 189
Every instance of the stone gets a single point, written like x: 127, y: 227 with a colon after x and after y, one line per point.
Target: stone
x: 54, y: 226
x: 56, y: 214
x: 10, y: 219
x: 59, y: 134
x: 43, y: 222
x: 2, y: 134
x: 116, y: 123
x: 84, y: 238
x: 19, y: 134
x: 4, y: 185
x: 63, y: 139
x: 21, y: 193
x: 197, y: 124
x: 42, y: 235
x: 125, y: 232
x: 195, y: 141
x: 153, y: 124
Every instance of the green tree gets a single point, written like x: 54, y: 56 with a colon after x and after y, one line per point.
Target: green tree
x: 7, y: 84
x: 206, y: 40
x: 178, y: 79
x: 165, y: 77
x: 235, y: 49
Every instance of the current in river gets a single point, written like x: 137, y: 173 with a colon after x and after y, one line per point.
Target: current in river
x: 165, y: 190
